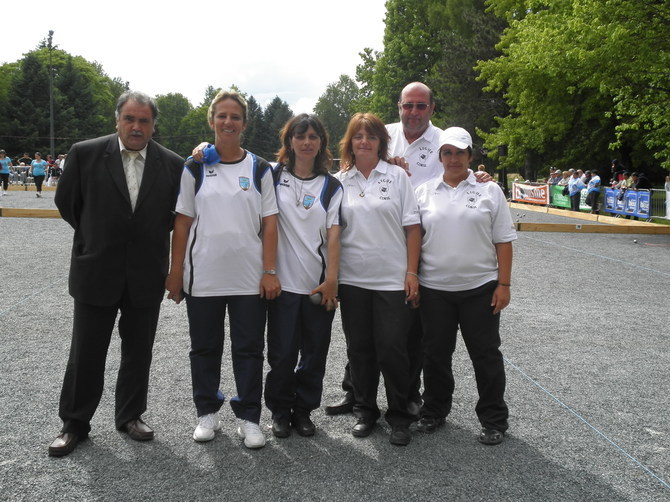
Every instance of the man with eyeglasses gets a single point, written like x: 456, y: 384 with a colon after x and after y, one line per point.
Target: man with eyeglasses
x: 415, y: 140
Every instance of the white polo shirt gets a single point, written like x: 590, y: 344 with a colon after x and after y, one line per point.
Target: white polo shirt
x: 374, y: 214
x: 461, y: 227
x: 302, y: 255
x: 422, y: 155
x: 224, y: 253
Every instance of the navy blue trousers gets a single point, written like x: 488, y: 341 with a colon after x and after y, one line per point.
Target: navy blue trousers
x: 206, y: 316
x: 296, y: 327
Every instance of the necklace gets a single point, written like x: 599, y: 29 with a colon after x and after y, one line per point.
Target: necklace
x: 362, y: 188
x: 295, y: 189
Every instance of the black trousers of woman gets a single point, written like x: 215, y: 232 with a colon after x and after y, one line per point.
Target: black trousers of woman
x: 442, y: 314
x: 376, y: 326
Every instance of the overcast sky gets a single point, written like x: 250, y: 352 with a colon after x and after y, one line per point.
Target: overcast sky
x: 292, y: 48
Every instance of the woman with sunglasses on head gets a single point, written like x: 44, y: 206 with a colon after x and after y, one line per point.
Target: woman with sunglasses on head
x: 465, y: 277
x: 378, y: 274
x: 300, y: 320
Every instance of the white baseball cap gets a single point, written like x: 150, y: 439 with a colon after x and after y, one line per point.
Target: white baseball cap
x: 456, y: 136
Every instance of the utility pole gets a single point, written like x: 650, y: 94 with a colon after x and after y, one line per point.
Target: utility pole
x: 51, y: 97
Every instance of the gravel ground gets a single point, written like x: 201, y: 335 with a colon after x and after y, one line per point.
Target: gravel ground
x: 585, y: 347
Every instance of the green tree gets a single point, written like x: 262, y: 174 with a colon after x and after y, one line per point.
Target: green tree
x: 583, y: 78
x: 276, y: 114
x: 84, y: 100
x: 335, y: 108
x: 173, y: 107
x: 28, y: 108
x: 252, y: 133
x: 411, y: 48
x: 468, y: 34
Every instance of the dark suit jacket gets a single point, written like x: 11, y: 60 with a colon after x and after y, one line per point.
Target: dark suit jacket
x: 114, y: 248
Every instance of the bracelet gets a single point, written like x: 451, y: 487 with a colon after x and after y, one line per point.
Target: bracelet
x: 271, y: 271
x: 506, y: 285
x: 412, y: 273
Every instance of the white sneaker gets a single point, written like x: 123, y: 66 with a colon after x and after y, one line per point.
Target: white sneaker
x: 207, y: 424
x: 251, y: 433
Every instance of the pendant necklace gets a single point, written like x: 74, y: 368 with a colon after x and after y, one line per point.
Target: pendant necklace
x: 361, y: 188
x: 295, y: 189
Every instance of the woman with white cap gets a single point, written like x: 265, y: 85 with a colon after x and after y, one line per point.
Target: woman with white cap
x: 465, y: 278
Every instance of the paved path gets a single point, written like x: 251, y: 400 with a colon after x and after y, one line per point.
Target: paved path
x: 585, y: 342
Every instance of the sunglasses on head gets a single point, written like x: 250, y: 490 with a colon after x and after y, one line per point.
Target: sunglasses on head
x: 418, y: 106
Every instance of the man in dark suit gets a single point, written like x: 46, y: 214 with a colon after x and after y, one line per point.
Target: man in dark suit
x: 121, y: 208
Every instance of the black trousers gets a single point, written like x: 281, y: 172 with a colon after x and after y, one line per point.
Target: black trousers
x: 574, y: 201
x: 376, y: 326
x: 38, y: 182
x: 442, y: 314
x: 415, y: 354
x: 85, y: 373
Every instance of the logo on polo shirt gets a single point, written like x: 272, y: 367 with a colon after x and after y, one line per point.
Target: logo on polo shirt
x: 384, y: 185
x: 244, y: 183
x: 472, y: 198
x: 210, y: 173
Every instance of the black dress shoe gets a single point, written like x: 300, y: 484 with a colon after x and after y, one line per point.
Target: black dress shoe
x: 64, y: 444
x: 400, y: 435
x: 303, y: 424
x: 491, y: 436
x: 281, y: 427
x: 138, y: 430
x: 363, y: 427
x: 345, y: 405
x: 429, y: 424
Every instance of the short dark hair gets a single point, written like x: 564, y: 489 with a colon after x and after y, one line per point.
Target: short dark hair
x: 139, y: 97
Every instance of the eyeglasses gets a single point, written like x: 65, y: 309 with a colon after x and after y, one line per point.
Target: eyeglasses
x: 418, y: 106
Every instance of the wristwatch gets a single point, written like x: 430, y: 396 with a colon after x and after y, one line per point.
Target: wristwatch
x: 271, y: 271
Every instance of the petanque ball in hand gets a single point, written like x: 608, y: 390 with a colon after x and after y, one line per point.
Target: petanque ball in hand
x: 316, y: 298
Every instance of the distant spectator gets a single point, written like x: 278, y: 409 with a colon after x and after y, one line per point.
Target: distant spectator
x: 557, y: 177
x: 593, y: 192
x: 25, y: 159
x: 575, y: 186
x: 667, y: 197
x: 625, y: 182
x: 640, y: 182
x: 616, y: 172
x: 5, y: 164
x: 565, y: 178
x: 38, y: 169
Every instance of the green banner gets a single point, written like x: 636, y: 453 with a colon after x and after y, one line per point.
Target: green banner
x: 557, y: 199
